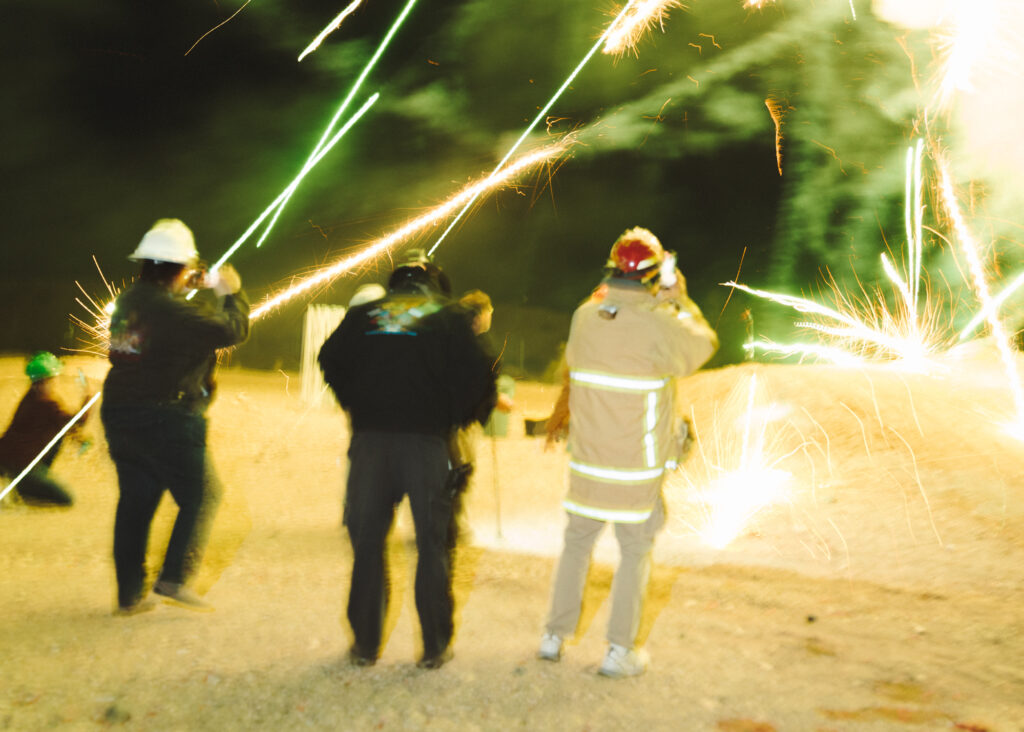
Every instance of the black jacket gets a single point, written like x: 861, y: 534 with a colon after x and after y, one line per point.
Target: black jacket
x: 407, y: 363
x: 163, y: 348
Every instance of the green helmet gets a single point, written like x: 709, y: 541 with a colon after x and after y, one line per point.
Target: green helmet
x: 43, y: 365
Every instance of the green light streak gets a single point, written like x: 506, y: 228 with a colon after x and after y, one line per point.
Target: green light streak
x: 294, y: 184
x: 536, y: 120
x: 344, y: 105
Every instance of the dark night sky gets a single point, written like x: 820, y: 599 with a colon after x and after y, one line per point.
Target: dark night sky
x: 109, y: 126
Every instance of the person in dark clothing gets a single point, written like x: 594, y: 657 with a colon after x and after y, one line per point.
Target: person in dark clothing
x: 409, y: 372
x: 163, y: 352
x: 40, y: 416
x: 478, y: 310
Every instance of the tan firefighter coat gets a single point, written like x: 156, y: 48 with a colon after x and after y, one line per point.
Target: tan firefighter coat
x: 625, y: 352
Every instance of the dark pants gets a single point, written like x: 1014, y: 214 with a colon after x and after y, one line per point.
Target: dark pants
x: 384, y: 467
x: 39, y: 487
x: 157, y: 449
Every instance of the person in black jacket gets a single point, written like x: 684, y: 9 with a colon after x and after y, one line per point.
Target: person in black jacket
x: 408, y: 370
x: 163, y: 351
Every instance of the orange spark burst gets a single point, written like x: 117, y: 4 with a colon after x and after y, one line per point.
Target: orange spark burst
x: 640, y: 18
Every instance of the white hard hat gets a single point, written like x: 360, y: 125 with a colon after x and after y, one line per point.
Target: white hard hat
x: 367, y: 293
x: 169, y: 240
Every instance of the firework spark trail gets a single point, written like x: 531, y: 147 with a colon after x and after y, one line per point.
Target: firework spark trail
x: 626, y: 31
x: 992, y: 306
x: 900, y: 335
x: 536, y: 120
x: 64, y: 430
x: 432, y: 217
x: 216, y: 27
x: 1002, y: 339
x: 331, y: 27
x: 306, y: 168
x: 775, y: 110
x: 851, y: 328
x: 344, y: 105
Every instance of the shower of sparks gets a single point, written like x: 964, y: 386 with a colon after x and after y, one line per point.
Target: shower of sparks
x: 536, y: 120
x: 99, y: 311
x: 56, y: 438
x: 381, y: 47
x: 971, y: 252
x: 630, y: 27
x: 432, y: 217
x: 331, y: 27
x: 322, y: 151
x: 757, y: 3
x: 736, y: 472
x: 868, y: 329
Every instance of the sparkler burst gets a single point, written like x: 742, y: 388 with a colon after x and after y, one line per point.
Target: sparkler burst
x: 99, y: 310
x: 866, y: 328
x: 738, y: 471
x: 432, y: 217
x: 631, y: 25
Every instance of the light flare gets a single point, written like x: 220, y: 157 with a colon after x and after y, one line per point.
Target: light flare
x: 971, y: 251
x: 965, y: 44
x: 432, y: 217
x: 630, y: 26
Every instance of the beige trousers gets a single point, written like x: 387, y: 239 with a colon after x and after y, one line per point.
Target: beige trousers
x: 628, y: 587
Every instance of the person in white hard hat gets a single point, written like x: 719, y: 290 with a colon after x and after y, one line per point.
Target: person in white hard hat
x: 163, y: 352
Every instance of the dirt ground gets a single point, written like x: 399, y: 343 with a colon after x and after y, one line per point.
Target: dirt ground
x: 844, y: 553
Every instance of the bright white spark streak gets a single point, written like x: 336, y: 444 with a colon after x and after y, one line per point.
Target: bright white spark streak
x: 322, y: 151
x: 430, y: 218
x: 628, y: 28
x: 331, y: 27
x: 64, y: 430
x: 536, y: 120
x: 995, y: 303
x: 910, y: 350
x: 1002, y: 339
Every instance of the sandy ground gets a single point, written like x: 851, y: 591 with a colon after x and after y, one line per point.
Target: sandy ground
x: 858, y: 569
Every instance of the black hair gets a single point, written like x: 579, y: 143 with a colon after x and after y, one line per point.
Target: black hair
x: 160, y: 273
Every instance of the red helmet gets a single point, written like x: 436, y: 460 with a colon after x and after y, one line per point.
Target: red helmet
x: 636, y: 255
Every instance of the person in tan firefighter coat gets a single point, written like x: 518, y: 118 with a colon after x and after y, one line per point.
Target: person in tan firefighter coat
x: 628, y: 344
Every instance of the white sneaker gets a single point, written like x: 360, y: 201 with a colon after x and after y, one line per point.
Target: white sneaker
x: 621, y: 662
x: 550, y: 647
